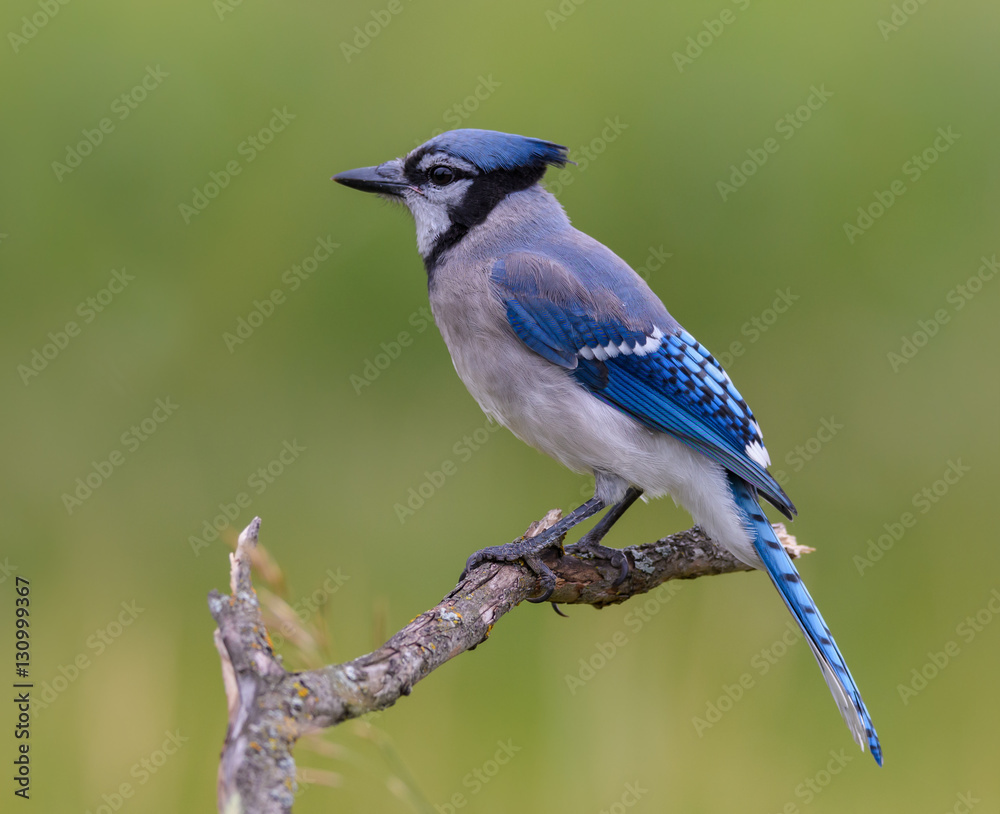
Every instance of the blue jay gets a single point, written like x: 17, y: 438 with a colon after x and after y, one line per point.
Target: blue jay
x: 559, y: 340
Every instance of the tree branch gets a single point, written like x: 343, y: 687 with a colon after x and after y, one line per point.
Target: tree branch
x: 270, y: 708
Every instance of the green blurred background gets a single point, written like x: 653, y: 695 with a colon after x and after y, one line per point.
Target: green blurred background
x: 650, y: 189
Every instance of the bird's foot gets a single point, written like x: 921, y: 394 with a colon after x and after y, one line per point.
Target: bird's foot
x: 523, y: 548
x: 617, y: 557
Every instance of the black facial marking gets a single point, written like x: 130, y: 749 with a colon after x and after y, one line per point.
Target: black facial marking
x: 445, y: 241
x: 413, y: 175
x: 485, y: 192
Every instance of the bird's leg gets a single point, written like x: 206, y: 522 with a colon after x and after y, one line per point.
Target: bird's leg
x: 590, y: 543
x: 527, y: 548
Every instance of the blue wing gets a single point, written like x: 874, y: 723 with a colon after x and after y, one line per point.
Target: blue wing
x: 622, y: 345
x: 602, y: 324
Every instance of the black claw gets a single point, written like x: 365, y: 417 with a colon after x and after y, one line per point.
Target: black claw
x: 624, y: 568
x: 545, y: 576
x: 555, y: 607
x: 590, y: 543
x: 615, y: 555
x: 499, y: 553
x: 527, y: 548
x: 549, y: 585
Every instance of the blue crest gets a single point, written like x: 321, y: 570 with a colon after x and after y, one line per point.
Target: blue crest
x: 491, y: 150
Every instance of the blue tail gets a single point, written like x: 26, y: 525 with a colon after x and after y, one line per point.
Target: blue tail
x: 789, y: 584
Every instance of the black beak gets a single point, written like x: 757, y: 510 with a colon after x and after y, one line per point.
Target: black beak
x: 383, y: 179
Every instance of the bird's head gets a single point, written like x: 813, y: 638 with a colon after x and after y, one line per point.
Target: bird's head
x: 452, y: 182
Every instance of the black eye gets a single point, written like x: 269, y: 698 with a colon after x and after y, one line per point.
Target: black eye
x: 441, y: 176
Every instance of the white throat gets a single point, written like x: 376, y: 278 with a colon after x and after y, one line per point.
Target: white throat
x: 431, y: 221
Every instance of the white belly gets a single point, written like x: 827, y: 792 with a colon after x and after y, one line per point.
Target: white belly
x: 543, y: 406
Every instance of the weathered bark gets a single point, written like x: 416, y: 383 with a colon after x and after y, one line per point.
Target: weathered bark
x: 270, y: 708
